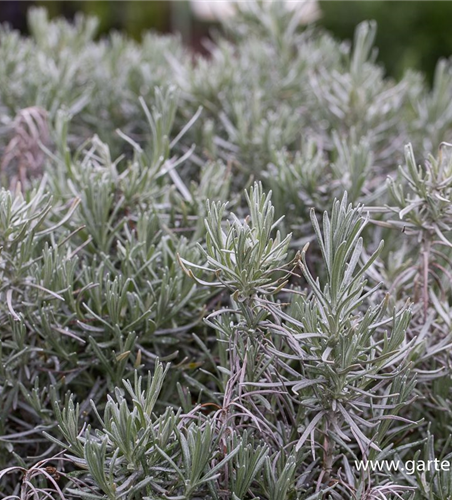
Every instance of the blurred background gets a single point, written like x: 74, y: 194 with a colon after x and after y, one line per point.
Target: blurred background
x: 410, y: 34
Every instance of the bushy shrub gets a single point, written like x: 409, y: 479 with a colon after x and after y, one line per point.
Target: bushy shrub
x: 196, y: 301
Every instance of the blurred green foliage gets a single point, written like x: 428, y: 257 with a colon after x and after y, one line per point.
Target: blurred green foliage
x: 410, y: 34
x: 129, y: 16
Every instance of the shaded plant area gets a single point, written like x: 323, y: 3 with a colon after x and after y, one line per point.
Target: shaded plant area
x: 225, y: 277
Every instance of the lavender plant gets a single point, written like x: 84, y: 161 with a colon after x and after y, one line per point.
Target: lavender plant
x: 195, y: 298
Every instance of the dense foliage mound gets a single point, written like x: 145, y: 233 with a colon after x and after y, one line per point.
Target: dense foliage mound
x: 196, y: 301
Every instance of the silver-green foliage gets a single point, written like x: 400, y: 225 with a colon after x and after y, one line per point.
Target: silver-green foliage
x: 164, y: 336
